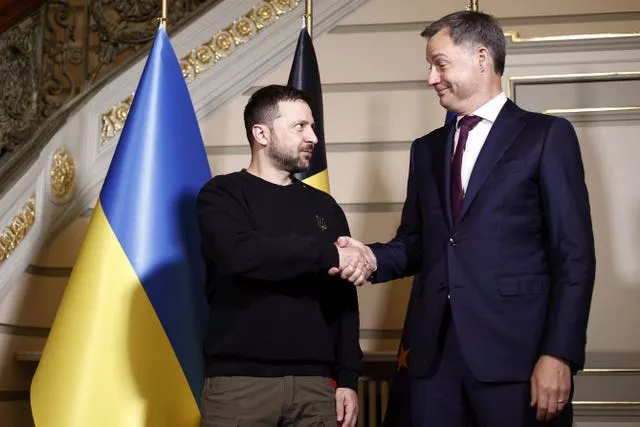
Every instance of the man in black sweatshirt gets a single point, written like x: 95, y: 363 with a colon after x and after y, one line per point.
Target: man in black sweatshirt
x: 282, y: 342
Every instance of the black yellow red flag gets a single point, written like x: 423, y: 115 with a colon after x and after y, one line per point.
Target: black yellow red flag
x: 305, y: 76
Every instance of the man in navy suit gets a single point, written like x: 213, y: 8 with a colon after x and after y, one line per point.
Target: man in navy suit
x: 497, y: 224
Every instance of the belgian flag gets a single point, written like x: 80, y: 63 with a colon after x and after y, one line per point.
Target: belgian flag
x: 305, y: 76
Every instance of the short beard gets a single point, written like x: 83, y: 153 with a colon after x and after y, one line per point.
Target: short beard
x: 284, y: 160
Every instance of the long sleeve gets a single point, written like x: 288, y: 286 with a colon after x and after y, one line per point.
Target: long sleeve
x: 401, y: 256
x: 347, y: 348
x: 571, y: 246
x: 239, y: 250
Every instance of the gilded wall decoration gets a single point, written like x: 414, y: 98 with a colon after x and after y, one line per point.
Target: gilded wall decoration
x: 60, y: 52
x: 219, y: 47
x: 15, y: 232
x: 113, y: 121
x: 239, y: 32
x: 62, y: 174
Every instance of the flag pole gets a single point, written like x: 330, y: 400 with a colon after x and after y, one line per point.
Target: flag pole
x: 308, y: 16
x: 163, y: 18
x: 473, y: 5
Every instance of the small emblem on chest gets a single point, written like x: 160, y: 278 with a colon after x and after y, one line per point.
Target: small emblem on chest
x: 322, y: 223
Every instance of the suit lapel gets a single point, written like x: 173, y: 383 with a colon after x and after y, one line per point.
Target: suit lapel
x: 441, y: 164
x: 503, y: 132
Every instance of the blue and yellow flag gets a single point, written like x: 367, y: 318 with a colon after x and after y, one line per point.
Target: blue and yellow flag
x: 125, y: 348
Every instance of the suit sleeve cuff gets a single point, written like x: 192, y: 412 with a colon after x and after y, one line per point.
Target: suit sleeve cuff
x: 573, y: 365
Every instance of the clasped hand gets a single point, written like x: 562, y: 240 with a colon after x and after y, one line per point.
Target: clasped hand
x: 357, y: 261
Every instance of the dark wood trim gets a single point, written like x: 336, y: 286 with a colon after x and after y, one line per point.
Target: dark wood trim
x: 14, y: 395
x: 14, y: 11
x: 26, y: 331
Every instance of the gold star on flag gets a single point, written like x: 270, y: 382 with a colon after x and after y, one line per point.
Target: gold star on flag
x: 402, y: 357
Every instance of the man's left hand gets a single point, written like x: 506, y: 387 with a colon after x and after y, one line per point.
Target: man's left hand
x: 550, y: 386
x: 346, y: 407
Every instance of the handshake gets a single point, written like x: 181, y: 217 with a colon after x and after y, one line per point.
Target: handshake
x: 357, y: 261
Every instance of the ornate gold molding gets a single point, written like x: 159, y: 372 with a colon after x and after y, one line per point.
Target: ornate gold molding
x: 578, y: 77
x: 113, y: 120
x: 555, y: 78
x: 610, y: 371
x: 243, y: 29
x: 63, y: 174
x: 14, y: 233
x: 515, y: 37
x: 208, y: 54
x: 606, y: 404
x: 589, y: 110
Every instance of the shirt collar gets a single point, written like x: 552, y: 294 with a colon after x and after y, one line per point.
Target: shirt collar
x: 491, y: 109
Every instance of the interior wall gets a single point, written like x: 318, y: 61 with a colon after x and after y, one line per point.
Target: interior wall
x: 376, y: 102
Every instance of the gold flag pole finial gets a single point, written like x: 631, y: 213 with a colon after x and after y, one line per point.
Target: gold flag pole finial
x: 163, y: 18
x: 473, y: 5
x: 308, y: 16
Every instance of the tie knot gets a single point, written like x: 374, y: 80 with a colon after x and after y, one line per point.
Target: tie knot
x: 469, y: 122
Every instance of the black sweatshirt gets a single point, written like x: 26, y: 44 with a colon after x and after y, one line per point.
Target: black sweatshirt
x: 274, y: 310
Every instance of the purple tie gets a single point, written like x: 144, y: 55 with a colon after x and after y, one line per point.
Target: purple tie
x: 465, y: 124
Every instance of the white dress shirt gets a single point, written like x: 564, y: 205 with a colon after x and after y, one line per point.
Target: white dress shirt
x: 478, y: 135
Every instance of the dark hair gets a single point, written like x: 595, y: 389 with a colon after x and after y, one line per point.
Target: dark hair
x: 473, y: 28
x: 262, y: 107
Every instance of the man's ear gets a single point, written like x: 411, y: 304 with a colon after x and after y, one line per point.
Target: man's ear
x: 261, y: 134
x: 484, y: 59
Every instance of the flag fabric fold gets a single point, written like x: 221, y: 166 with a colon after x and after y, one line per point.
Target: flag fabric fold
x: 398, y: 412
x: 125, y: 348
x: 305, y: 76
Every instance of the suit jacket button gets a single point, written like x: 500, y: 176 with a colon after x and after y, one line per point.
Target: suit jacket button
x: 452, y: 242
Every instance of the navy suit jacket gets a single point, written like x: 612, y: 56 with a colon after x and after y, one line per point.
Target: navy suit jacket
x: 518, y: 265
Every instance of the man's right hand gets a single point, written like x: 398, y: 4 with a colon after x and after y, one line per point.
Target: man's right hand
x: 357, y: 261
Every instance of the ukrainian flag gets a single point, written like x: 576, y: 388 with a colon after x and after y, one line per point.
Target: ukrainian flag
x: 304, y: 75
x: 125, y: 349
